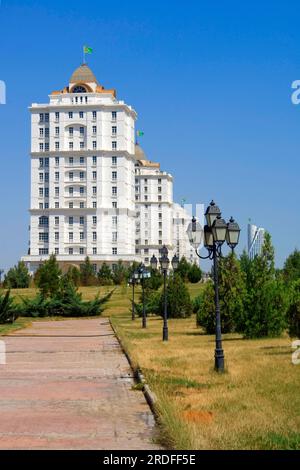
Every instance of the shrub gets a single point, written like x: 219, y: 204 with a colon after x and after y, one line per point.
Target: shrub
x: 120, y: 274
x: 179, y: 302
x: 87, y: 273
x: 293, y: 312
x: 194, y: 274
x: 183, y: 269
x: 8, y: 310
x: 48, y: 276
x: 73, y: 275
x: 104, y: 275
x: 17, y: 277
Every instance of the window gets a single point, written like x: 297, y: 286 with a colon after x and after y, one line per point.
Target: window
x: 43, y: 251
x: 56, y: 251
x: 46, y: 192
x: 44, y: 237
x: 81, y: 114
x: 41, y: 117
x: 81, y: 145
x: 70, y: 251
x: 81, y: 175
x: 46, y: 117
x: 81, y: 160
x: 94, y: 160
x: 114, y: 205
x: 56, y: 145
x: 56, y: 236
x: 56, y: 131
x: 70, y: 115
x: 160, y: 215
x: 81, y: 189
x: 41, y: 177
x: 114, y: 190
x: 81, y: 236
x: 81, y: 130
x: 71, y: 145
x: 146, y: 198
x: 159, y: 198
x: 71, y: 175
x: 94, y: 236
x: 114, y: 220
x: 114, y: 116
x: 145, y: 180
x: 146, y: 251
x: 41, y: 205
x: 47, y: 162
x: 94, y: 250
x: 94, y: 144
x: 71, y: 220
x: 114, y: 175
x: 114, y: 251
x: 95, y: 268
x: 114, y: 145
x: 146, y: 189
x: 46, y: 205
x: 71, y: 191
x: 47, y: 132
x: 41, y: 160
x: 114, y: 237
x: 56, y: 220
x: 41, y: 132
x: 159, y: 181
x: 56, y: 161
x: 56, y: 176
x: 41, y: 146
x: 94, y: 205
x: 56, y: 116
x: 94, y: 190
x: 94, y: 115
x: 71, y: 160
x: 71, y: 205
x: 159, y: 189
x: 114, y: 161
x: 81, y: 250
x: 94, y: 174
x: 47, y: 147
x: 81, y: 205
x: 114, y: 130
x: 94, y: 219
x: 159, y: 224
x: 47, y: 177
x: 71, y: 236
x: 94, y: 130
x: 43, y: 221
x: 160, y: 234
x: 56, y: 189
x: 56, y: 205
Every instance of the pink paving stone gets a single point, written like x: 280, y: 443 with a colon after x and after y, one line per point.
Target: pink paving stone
x: 67, y: 385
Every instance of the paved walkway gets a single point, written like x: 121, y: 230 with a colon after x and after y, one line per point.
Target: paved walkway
x: 67, y: 385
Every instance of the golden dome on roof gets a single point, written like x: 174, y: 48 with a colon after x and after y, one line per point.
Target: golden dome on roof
x: 83, y: 74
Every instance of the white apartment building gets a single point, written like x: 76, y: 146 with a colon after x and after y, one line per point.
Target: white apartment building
x: 256, y: 238
x: 93, y: 191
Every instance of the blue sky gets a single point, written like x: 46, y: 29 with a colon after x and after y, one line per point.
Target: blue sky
x: 211, y: 82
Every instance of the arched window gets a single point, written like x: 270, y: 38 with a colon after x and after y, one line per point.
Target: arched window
x: 79, y: 89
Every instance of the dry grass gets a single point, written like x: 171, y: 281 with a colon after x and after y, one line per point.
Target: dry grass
x: 254, y: 405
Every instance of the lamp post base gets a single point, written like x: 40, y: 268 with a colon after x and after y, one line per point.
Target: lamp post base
x: 219, y: 360
x: 165, y: 333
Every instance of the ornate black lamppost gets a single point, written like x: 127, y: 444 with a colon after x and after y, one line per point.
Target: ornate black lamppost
x: 215, y: 233
x: 164, y: 264
x: 133, y: 280
x: 143, y: 274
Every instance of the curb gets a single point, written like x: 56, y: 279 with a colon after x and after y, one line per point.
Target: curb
x: 139, y: 377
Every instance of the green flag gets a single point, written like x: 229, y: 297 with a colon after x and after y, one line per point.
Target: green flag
x: 87, y: 50
x: 139, y: 133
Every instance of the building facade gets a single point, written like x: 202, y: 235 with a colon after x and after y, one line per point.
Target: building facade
x: 256, y: 237
x: 93, y: 191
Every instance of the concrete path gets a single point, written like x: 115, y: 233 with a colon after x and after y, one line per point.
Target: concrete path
x: 67, y: 385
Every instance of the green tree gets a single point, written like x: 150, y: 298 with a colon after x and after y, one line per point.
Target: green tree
x: 73, y: 275
x: 155, y: 281
x: 291, y: 269
x: 183, y: 269
x: 104, y: 275
x: 48, y: 276
x: 17, y: 277
x: 194, y: 274
x: 293, y: 312
x: 87, y: 273
x: 120, y: 273
x: 267, y: 299
x: 178, y: 298
x: 8, y: 309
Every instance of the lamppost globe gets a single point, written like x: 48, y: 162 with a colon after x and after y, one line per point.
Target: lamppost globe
x: 153, y: 262
x: 195, y: 233
x: 175, y: 262
x: 219, y: 229
x: 164, y: 262
x: 211, y: 213
x: 233, y: 233
x: 208, y: 238
x: 164, y: 251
